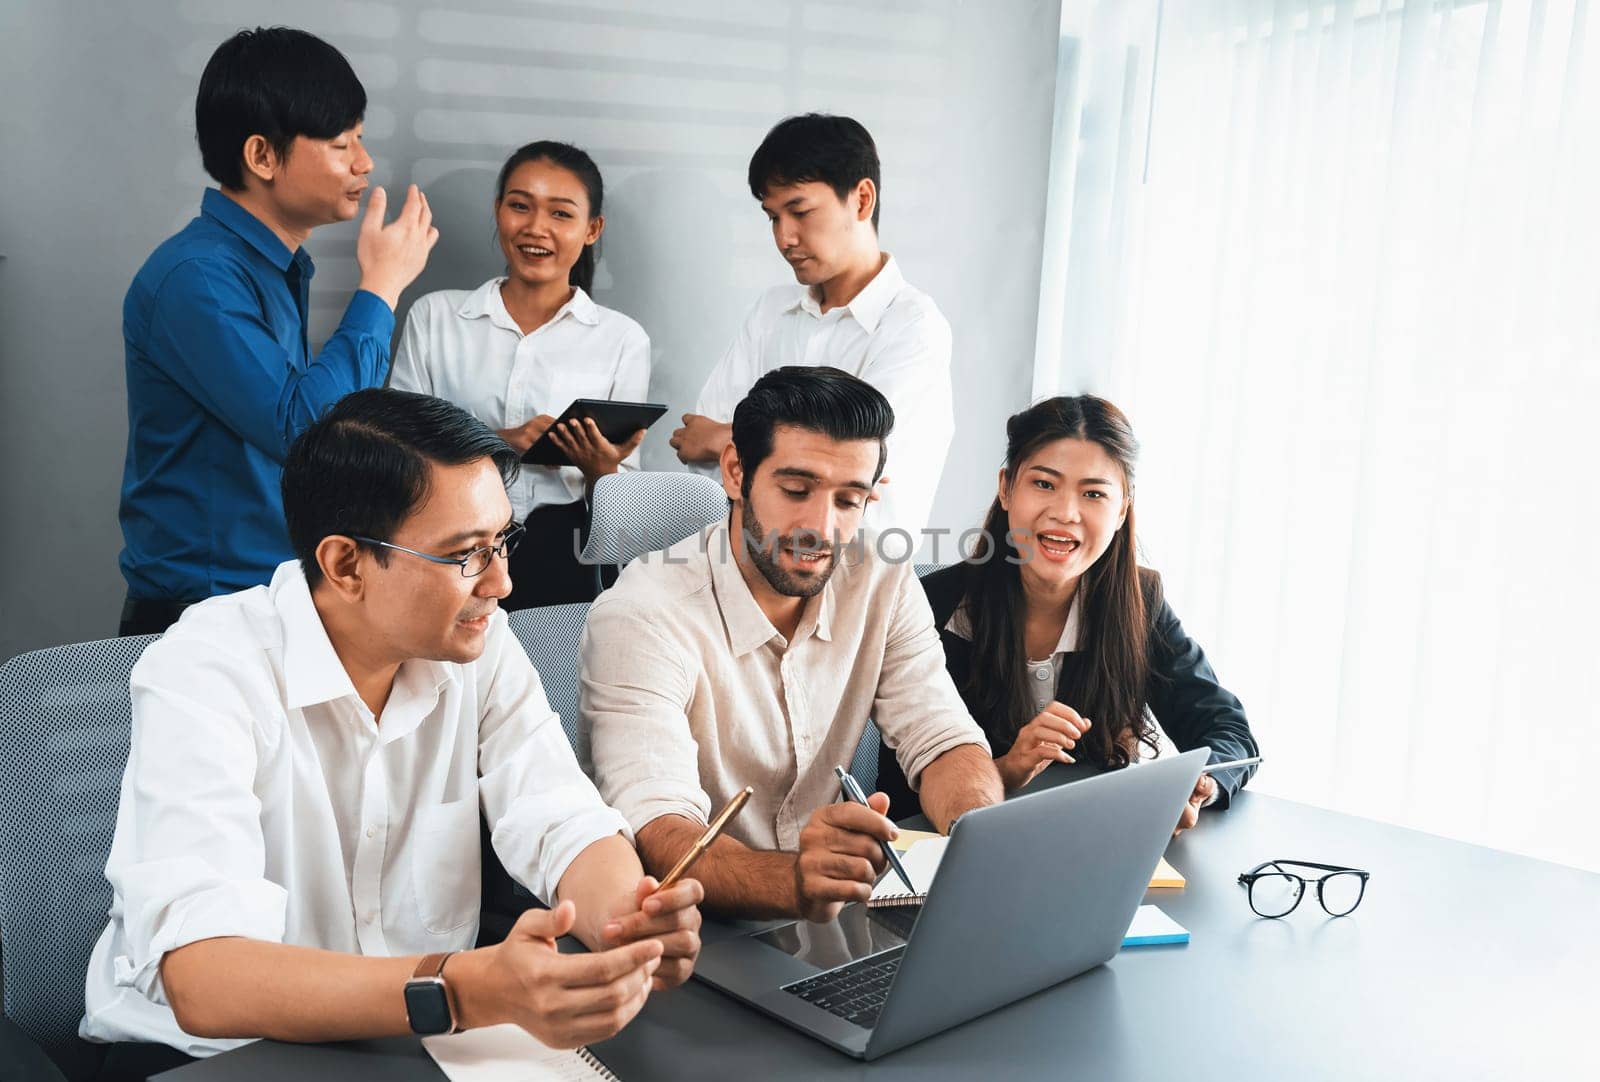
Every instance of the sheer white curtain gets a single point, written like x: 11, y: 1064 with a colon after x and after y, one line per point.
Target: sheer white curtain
x: 1340, y: 261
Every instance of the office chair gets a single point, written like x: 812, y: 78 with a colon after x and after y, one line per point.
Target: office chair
x: 65, y: 718
x: 864, y: 764
x: 635, y: 513
x: 550, y: 635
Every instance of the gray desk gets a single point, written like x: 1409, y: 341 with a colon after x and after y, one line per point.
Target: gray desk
x: 1461, y: 963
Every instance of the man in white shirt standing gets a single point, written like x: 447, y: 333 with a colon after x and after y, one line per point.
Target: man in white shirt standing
x: 817, y: 178
x: 297, y: 846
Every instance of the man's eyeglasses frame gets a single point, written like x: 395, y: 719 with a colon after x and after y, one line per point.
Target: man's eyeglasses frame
x: 480, y: 556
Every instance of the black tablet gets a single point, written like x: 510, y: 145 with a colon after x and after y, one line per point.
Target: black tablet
x: 617, y: 421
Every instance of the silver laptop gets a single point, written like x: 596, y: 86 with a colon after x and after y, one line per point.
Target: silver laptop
x: 1075, y: 859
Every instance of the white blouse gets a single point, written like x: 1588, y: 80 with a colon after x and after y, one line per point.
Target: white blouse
x: 465, y: 348
x: 1043, y: 673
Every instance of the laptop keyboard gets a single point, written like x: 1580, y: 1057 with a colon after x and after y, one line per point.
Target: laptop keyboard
x: 855, y: 992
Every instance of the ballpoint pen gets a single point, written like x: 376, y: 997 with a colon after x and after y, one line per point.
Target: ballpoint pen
x: 697, y: 850
x: 1209, y: 767
x: 850, y: 789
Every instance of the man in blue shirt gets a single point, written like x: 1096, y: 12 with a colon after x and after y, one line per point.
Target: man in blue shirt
x: 221, y: 377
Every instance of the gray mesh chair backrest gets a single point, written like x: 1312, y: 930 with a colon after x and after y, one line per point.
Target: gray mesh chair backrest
x: 65, y: 716
x: 864, y: 765
x: 635, y: 513
x: 550, y: 635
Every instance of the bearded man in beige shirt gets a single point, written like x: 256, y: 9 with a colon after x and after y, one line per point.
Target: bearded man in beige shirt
x: 755, y: 652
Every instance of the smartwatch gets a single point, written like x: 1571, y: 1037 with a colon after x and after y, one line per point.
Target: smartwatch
x: 429, y: 1008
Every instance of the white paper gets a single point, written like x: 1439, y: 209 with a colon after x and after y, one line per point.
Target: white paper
x: 921, y: 862
x: 505, y: 1053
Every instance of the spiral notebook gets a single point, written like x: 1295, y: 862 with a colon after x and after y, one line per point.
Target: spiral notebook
x: 510, y: 1053
x: 921, y: 859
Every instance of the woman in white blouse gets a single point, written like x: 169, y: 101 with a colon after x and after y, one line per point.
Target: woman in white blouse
x: 516, y: 351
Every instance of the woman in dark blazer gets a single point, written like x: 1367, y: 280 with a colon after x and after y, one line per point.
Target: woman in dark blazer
x: 1060, y: 644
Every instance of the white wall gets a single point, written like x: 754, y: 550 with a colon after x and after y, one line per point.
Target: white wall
x: 98, y: 165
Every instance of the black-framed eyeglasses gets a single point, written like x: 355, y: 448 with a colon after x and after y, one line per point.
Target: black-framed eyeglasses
x: 473, y: 563
x: 1275, y: 891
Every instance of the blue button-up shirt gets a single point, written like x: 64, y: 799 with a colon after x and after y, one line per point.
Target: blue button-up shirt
x: 220, y: 381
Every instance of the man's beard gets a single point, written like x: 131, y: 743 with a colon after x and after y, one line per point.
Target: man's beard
x: 764, y: 551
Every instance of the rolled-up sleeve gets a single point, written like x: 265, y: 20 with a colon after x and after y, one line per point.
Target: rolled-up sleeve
x: 189, y: 860
x: 542, y: 810
x: 917, y: 707
x: 634, y: 694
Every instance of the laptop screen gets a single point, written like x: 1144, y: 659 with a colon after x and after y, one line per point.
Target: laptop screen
x: 859, y: 932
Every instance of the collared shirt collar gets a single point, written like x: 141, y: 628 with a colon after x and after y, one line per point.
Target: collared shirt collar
x: 821, y: 607
x: 487, y: 300
x: 960, y: 624
x: 866, y: 307
x: 313, y: 673
x: 253, y: 231
x: 747, y: 626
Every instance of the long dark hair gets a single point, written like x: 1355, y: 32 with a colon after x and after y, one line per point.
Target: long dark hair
x: 1108, y: 685
x: 577, y: 162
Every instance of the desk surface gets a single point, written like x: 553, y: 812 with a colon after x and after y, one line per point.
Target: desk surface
x: 1462, y: 962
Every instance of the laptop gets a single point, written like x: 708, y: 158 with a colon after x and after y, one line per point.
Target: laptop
x: 1073, y: 861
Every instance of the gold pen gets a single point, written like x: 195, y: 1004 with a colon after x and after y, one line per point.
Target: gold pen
x: 729, y: 810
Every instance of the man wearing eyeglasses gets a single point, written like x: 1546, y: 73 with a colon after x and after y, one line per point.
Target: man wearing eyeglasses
x: 297, y: 846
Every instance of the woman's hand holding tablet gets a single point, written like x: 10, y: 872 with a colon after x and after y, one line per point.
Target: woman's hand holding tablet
x: 618, y: 424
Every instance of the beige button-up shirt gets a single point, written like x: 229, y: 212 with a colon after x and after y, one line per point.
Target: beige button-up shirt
x: 688, y: 693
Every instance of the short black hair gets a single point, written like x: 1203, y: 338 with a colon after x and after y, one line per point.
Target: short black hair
x: 277, y: 83
x: 816, y: 146
x: 820, y: 399
x: 362, y: 468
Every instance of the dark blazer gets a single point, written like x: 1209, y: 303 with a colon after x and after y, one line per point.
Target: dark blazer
x: 1182, y: 692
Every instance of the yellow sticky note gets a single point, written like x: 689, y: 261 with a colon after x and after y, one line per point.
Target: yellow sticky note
x: 1166, y: 875
x: 908, y: 838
